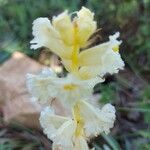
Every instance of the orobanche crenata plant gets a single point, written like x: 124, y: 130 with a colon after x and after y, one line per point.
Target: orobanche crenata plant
x: 68, y: 37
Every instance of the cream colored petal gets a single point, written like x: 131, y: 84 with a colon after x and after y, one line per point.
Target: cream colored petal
x: 89, y: 83
x: 87, y: 57
x: 111, y: 63
x: 92, y: 125
x: 85, y: 12
x: 80, y: 144
x: 51, y: 122
x: 70, y: 89
x: 94, y: 121
x: 88, y: 72
x: 93, y: 56
x: 45, y: 35
x: 86, y: 25
x: 64, y: 26
x: 101, y: 58
x: 40, y: 86
x: 107, y: 117
x: 64, y: 135
x: 85, y: 72
x: 57, y: 147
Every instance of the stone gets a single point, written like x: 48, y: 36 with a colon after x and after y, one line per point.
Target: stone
x: 15, y: 100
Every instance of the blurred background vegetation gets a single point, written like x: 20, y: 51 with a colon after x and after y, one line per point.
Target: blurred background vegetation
x: 129, y: 90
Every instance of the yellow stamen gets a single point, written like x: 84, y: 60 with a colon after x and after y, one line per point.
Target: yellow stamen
x: 70, y: 86
x: 75, y: 49
x: 79, y: 120
x: 116, y: 48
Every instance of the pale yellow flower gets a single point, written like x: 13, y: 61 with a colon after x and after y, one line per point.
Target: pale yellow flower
x: 66, y: 37
x: 72, y: 134
x: 46, y: 85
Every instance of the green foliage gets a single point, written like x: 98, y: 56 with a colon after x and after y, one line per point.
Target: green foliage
x: 18, y: 137
x: 4, y: 55
x: 108, y: 93
x: 141, y: 144
x: 144, y: 133
x: 145, y: 103
x: 111, y: 141
x: 6, y: 146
